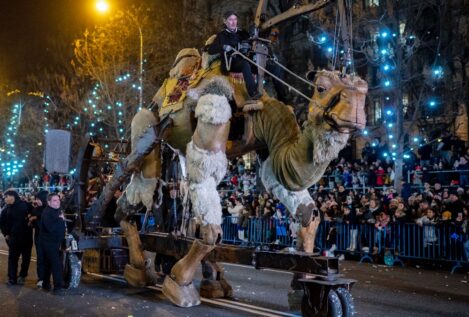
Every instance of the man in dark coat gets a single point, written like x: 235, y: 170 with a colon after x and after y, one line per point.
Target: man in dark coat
x: 52, y: 233
x: 40, y: 202
x: 18, y: 235
x: 225, y: 41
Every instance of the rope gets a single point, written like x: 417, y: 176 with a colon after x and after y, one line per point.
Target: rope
x: 228, y: 61
x: 292, y: 73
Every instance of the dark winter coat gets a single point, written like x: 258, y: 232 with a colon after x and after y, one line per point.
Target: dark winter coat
x: 52, y: 227
x: 227, y: 37
x: 14, y: 222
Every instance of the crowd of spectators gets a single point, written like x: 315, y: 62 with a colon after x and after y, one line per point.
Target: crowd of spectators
x: 361, y: 192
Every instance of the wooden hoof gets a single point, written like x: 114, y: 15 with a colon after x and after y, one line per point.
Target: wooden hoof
x: 211, y: 289
x: 182, y: 296
x: 135, y: 277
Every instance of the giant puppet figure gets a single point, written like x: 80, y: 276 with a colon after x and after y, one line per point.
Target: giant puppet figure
x: 201, y: 123
x: 201, y: 103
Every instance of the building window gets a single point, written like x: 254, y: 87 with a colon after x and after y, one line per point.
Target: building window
x: 372, y: 3
x: 405, y: 103
x: 375, y: 113
x: 377, y: 110
x: 402, y: 28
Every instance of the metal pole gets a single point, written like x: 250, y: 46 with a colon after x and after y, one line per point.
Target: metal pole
x: 140, y: 101
x: 140, y: 79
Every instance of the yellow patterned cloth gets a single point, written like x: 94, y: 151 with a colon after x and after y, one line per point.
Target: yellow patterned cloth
x: 174, y: 90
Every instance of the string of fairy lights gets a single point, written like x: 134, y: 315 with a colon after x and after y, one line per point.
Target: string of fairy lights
x: 11, y: 163
x: 95, y: 110
x: 385, y: 45
x: 92, y: 117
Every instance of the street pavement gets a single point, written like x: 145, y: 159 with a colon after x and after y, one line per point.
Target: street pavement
x: 380, y: 291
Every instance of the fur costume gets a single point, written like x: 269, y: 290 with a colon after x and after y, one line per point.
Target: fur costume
x: 206, y: 169
x: 141, y: 190
x: 290, y: 199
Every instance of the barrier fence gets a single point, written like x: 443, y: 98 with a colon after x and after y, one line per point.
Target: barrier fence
x: 395, y: 242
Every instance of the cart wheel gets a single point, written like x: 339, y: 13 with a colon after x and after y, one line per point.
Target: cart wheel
x: 72, y: 270
x: 346, y: 299
x: 334, y: 306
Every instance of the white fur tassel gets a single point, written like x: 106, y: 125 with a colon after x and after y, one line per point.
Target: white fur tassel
x: 205, y: 170
x: 202, y: 164
x: 141, y: 189
x: 213, y: 109
x: 206, y: 201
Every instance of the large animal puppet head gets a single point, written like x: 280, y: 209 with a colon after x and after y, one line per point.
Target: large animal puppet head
x: 338, y: 101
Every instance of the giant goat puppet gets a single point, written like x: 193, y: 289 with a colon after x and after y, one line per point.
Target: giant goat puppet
x: 200, y: 102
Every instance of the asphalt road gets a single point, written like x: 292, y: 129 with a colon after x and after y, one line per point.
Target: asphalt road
x: 380, y: 291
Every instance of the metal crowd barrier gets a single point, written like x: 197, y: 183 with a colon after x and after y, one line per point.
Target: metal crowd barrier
x: 395, y: 242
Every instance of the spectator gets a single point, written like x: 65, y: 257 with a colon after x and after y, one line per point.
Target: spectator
x: 382, y: 232
x: 428, y: 221
x: 400, y: 213
x: 367, y: 153
x: 425, y: 152
x: 39, y: 203
x: 52, y: 233
x: 445, y: 148
x: 351, y: 219
x: 463, y: 166
x: 18, y: 235
x: 454, y: 204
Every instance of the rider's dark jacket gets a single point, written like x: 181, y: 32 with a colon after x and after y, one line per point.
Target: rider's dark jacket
x: 227, y: 37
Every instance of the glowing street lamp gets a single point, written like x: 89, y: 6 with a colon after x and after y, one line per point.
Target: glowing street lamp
x: 102, y: 6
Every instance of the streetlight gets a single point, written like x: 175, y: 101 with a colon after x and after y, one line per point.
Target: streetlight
x: 102, y: 6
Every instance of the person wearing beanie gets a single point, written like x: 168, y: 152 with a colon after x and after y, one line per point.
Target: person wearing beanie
x: 18, y: 235
x: 39, y: 203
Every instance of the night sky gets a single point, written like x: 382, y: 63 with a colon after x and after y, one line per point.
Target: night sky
x: 28, y: 27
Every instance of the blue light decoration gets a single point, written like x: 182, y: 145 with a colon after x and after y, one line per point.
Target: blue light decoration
x: 329, y: 49
x: 384, y: 34
x: 387, y: 83
x: 96, y: 110
x: 432, y: 103
x: 11, y: 163
x: 416, y: 139
x: 321, y: 39
x: 365, y: 132
x: 386, y: 67
x: 384, y: 51
x: 389, y: 112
